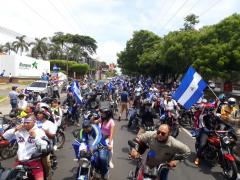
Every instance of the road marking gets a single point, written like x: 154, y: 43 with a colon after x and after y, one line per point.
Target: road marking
x: 187, y: 132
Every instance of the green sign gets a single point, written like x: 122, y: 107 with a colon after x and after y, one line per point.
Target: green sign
x: 28, y: 66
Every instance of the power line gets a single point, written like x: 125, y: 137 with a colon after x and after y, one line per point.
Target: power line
x: 214, y: 4
x: 59, y: 12
x: 178, y: 10
x: 163, y: 6
x: 12, y: 33
x: 44, y: 19
x: 72, y: 16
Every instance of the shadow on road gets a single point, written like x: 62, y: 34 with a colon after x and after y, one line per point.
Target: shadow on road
x: 74, y: 172
x: 204, y: 167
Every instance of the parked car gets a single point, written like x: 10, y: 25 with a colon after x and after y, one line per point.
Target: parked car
x: 43, y: 87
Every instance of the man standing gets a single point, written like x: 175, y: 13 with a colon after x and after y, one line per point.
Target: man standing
x: 13, y: 95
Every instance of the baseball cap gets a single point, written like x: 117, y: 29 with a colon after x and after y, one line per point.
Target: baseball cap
x: 86, y: 124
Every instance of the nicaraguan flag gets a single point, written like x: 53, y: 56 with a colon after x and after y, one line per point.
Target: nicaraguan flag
x: 76, y: 91
x: 190, y: 89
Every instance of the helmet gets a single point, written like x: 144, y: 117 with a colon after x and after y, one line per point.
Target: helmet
x: 222, y: 97
x: 147, y: 102
x: 86, y: 124
x: 231, y: 101
x: 45, y: 112
x: 106, y: 113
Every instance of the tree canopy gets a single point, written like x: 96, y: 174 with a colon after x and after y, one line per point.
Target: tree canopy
x: 213, y: 50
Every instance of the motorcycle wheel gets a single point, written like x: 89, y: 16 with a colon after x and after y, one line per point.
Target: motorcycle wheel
x: 230, y: 170
x: 13, y: 148
x: 60, y: 140
x: 5, y: 152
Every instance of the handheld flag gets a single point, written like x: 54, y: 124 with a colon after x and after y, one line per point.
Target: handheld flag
x: 190, y: 89
x: 76, y: 91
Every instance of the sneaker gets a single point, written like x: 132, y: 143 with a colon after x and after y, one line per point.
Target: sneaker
x: 111, y: 165
x: 197, y: 162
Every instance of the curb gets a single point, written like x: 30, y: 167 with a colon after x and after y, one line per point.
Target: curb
x: 4, y: 99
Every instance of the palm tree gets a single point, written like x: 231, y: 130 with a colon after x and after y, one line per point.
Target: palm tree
x: 8, y: 47
x: 55, y: 51
x: 20, y: 44
x: 40, y: 48
x: 1, y: 48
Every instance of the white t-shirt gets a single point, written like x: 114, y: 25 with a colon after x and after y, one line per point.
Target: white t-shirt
x: 48, y: 126
x: 169, y: 105
x: 22, y: 104
x: 26, y: 144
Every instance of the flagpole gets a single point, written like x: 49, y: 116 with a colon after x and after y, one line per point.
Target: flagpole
x: 213, y: 92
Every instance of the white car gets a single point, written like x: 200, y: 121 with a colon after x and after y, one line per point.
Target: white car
x: 43, y: 87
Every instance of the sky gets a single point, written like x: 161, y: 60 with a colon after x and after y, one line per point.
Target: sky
x: 110, y: 22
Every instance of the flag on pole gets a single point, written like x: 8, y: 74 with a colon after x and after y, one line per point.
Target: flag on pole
x: 76, y: 91
x: 190, y: 89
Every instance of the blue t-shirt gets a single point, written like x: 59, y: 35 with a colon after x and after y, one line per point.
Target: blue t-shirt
x: 124, y: 96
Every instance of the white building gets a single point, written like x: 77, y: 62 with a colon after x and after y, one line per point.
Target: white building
x: 23, y: 66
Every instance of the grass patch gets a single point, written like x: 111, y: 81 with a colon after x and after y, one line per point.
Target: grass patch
x: 2, y: 97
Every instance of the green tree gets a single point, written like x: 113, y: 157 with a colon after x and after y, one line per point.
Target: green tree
x: 190, y: 21
x: 20, y: 44
x: 8, y: 47
x: 129, y: 58
x: 40, y: 48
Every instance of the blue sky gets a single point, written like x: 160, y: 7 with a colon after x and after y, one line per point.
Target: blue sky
x: 110, y: 22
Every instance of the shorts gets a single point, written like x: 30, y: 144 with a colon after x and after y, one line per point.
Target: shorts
x: 37, y: 173
x: 123, y: 106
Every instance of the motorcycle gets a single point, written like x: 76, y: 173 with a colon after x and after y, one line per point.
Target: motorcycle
x: 219, y: 150
x: 133, y: 118
x: 88, y: 167
x: 7, y: 148
x: 144, y: 172
x: 60, y: 137
x: 186, y: 117
x: 24, y: 171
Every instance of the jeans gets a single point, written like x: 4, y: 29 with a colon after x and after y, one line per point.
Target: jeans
x: 164, y: 174
x: 13, y: 103
x: 101, y: 161
x: 201, y: 141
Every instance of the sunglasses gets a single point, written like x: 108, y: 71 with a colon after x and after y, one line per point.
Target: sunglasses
x: 161, y: 133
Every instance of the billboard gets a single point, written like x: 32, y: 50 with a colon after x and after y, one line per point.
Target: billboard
x: 23, y: 66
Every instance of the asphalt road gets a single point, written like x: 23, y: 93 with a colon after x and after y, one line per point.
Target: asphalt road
x: 184, y: 171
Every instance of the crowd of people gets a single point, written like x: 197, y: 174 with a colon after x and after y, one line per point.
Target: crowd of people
x: 41, y: 117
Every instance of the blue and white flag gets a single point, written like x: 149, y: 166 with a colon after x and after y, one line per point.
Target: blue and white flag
x: 76, y: 91
x: 190, y: 89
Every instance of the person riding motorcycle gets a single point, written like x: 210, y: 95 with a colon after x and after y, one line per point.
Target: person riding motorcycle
x: 229, y: 115
x: 164, y: 147
x: 92, y: 102
x: 208, y: 122
x: 91, y: 135
x: 28, y: 136
x: 222, y: 99
x: 147, y: 115
x: 50, y: 130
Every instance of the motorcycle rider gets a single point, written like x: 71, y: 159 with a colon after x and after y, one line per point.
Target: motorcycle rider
x: 57, y: 112
x: 50, y: 130
x: 164, y: 145
x: 208, y: 122
x: 147, y: 115
x: 28, y: 135
x: 229, y: 115
x: 72, y: 104
x: 222, y: 99
x: 90, y: 134
x: 107, y: 129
